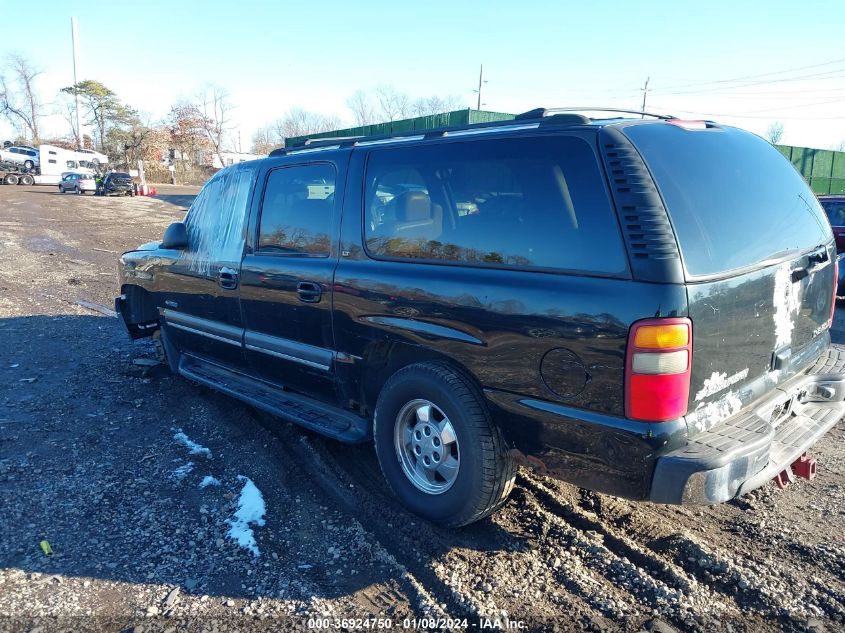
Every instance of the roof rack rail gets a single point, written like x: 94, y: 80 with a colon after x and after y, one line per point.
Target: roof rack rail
x: 539, y: 113
x: 538, y: 116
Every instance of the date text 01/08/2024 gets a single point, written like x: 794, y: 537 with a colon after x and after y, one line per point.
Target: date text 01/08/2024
x: 415, y: 624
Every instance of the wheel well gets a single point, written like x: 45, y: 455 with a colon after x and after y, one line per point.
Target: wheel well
x: 385, y: 358
x: 139, y: 305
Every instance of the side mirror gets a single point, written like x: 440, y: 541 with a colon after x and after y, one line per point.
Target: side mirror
x: 176, y: 236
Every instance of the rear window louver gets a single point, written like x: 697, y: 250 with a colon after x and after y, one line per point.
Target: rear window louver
x: 642, y: 216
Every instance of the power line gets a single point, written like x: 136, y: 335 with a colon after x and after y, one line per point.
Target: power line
x: 816, y: 77
x: 749, y: 116
x: 768, y: 74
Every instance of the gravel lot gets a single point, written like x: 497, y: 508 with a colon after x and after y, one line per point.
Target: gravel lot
x: 92, y: 462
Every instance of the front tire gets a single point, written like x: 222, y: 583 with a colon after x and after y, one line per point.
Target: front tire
x: 28, y: 164
x: 439, y: 450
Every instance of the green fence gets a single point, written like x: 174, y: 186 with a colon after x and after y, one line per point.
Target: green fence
x: 824, y: 169
x: 447, y: 119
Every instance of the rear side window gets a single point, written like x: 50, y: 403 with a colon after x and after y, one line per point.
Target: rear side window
x: 518, y: 203
x: 296, y: 211
x: 734, y: 200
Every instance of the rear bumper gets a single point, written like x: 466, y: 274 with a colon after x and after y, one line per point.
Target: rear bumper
x: 746, y: 451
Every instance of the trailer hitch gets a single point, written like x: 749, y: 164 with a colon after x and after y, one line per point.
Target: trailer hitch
x: 803, y: 467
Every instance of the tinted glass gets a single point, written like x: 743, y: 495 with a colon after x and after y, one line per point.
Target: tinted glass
x: 296, y: 211
x: 835, y: 210
x: 529, y: 202
x: 734, y: 200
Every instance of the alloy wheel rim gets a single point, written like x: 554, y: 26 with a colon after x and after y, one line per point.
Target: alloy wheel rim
x: 427, y: 446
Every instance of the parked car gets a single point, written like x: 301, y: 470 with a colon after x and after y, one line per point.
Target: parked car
x: 116, y: 183
x: 639, y: 307
x: 78, y: 182
x: 22, y: 155
x: 834, y: 207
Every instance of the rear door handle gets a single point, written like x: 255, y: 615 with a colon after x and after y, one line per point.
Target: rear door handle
x: 309, y: 291
x: 227, y: 278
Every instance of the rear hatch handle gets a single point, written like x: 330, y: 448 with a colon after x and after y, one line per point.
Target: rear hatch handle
x: 815, y: 260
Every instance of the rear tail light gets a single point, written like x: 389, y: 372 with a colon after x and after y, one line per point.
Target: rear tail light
x: 657, y: 369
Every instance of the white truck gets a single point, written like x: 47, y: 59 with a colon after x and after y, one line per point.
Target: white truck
x: 54, y: 161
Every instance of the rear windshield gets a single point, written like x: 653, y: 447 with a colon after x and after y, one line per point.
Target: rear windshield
x: 733, y: 199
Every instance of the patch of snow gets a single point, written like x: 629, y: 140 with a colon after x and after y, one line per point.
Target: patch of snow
x: 208, y: 480
x: 251, y: 510
x: 182, y: 471
x: 193, y: 447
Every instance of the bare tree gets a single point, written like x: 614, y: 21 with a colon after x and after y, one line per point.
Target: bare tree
x: 215, y: 109
x: 19, y: 101
x: 774, y: 132
x: 187, y: 134
x: 362, y: 108
x: 425, y: 106
x: 393, y: 104
x: 66, y: 108
x: 300, y: 122
x: 264, y: 140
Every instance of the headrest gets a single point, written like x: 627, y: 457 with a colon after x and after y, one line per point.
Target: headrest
x: 413, y: 206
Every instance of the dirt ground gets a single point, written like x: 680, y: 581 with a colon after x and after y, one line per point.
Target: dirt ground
x: 90, y: 461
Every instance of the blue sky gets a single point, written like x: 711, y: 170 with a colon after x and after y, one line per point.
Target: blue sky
x: 272, y: 56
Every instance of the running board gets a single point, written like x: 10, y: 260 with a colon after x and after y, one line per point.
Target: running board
x: 316, y: 416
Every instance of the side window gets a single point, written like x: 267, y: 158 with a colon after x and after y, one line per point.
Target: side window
x: 528, y: 202
x: 215, y: 221
x: 71, y: 164
x: 296, y: 211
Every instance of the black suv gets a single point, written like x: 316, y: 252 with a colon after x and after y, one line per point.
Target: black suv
x: 116, y: 183
x: 640, y: 307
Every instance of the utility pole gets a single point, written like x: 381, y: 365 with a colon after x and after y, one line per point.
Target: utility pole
x: 480, y: 83
x: 75, y: 39
x: 645, y: 93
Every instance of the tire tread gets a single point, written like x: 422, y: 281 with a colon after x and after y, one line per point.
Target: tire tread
x: 498, y: 469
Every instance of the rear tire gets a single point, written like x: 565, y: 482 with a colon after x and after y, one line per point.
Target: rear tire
x: 27, y: 180
x: 439, y: 450
x: 11, y: 179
